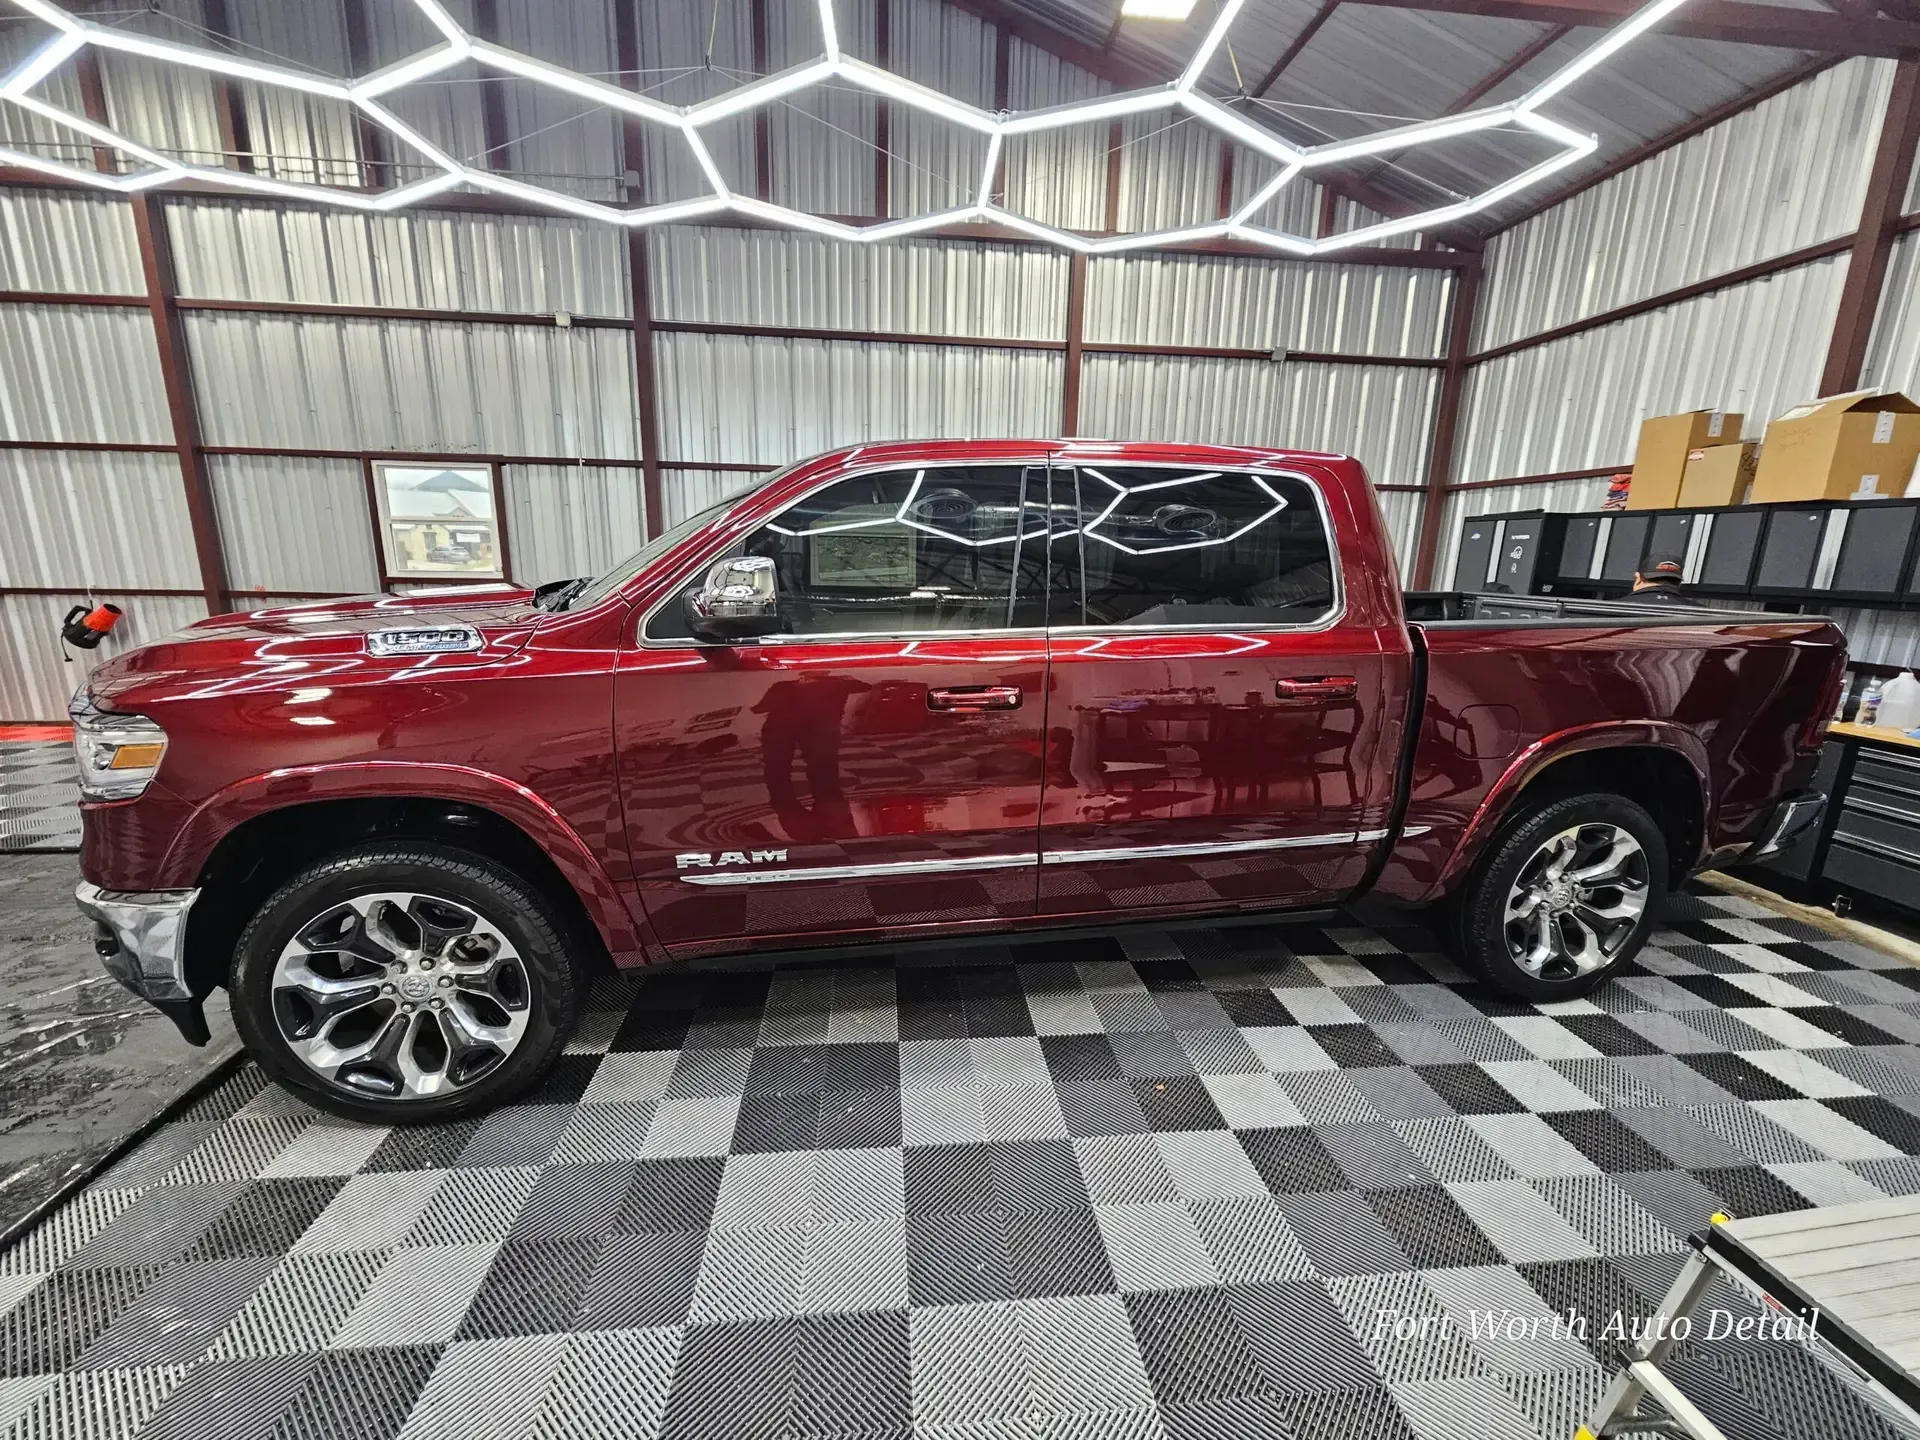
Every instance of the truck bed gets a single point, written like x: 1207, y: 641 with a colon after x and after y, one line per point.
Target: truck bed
x: 1511, y: 682
x: 1455, y: 608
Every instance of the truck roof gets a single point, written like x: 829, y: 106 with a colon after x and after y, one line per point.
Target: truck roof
x: 1072, y: 446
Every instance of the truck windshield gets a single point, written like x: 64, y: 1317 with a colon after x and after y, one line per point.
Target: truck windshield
x: 604, y: 585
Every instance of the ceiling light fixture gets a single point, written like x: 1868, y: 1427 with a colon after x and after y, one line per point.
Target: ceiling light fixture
x: 71, y: 33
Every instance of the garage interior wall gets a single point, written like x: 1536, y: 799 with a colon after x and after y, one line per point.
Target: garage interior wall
x: 1547, y: 417
x: 320, y: 339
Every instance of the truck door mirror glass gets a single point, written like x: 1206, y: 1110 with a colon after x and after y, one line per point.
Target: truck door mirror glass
x: 737, y: 600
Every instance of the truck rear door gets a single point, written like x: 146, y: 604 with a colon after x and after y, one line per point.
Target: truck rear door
x: 1222, y: 705
x: 877, y: 764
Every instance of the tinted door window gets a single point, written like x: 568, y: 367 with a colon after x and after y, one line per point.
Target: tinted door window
x: 932, y: 550
x: 1165, y: 546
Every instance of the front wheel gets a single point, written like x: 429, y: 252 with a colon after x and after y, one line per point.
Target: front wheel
x: 1566, y: 896
x: 404, y: 983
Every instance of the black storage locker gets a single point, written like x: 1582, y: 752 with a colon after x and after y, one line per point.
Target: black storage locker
x: 1529, y: 553
x: 1790, y: 549
x: 1876, y: 553
x: 1625, y: 545
x: 1672, y: 533
x: 1475, y: 552
x: 1733, y: 546
x: 1577, y: 545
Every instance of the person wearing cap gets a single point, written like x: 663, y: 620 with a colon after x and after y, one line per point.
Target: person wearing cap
x: 1658, y: 581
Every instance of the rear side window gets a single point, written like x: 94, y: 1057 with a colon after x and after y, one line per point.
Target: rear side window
x: 1162, y: 546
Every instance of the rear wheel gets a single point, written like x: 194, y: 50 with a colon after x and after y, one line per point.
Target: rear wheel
x: 1565, y: 896
x: 404, y: 982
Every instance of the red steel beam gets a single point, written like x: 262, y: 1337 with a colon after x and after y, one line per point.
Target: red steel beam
x: 974, y: 232
x: 646, y: 382
x: 1295, y: 46
x: 882, y: 113
x: 762, y: 128
x: 493, y: 91
x: 376, y: 156
x: 1522, y: 58
x: 176, y: 375
x: 93, y: 100
x: 1076, y: 344
x: 1736, y: 20
x: 1873, y: 241
x: 230, y: 108
x: 1446, y: 421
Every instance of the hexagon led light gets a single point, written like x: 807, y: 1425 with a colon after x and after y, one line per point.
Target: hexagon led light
x: 70, y: 34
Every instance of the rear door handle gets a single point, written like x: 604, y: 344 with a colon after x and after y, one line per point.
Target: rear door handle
x: 971, y: 699
x: 1316, y: 687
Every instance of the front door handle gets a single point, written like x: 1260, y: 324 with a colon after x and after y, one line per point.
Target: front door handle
x: 971, y: 699
x: 1316, y: 687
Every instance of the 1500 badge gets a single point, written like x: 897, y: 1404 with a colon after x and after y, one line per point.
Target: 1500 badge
x: 707, y: 860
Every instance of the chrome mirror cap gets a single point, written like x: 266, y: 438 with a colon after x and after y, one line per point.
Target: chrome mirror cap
x: 738, y: 599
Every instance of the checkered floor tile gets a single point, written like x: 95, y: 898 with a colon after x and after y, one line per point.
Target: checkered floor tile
x: 39, y: 796
x: 1293, y: 1182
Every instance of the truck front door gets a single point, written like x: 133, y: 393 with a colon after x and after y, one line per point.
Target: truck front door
x: 1217, y: 726
x: 876, y: 765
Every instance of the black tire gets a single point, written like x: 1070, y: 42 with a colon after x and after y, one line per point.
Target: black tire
x: 535, y: 994
x: 1474, y: 922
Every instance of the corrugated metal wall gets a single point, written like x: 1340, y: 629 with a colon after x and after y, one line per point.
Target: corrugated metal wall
x: 1268, y: 305
x: 292, y: 525
x: 333, y: 383
x: 74, y: 244
x: 568, y: 520
x: 35, y: 682
x: 1893, y: 357
x: 1577, y: 403
x: 229, y: 250
x: 1382, y: 414
x: 1786, y: 174
x: 919, y: 287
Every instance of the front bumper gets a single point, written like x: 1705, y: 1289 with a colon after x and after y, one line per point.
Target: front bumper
x: 1793, y: 819
x: 141, y: 940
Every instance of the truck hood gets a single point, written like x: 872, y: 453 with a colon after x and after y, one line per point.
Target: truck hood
x: 300, y: 644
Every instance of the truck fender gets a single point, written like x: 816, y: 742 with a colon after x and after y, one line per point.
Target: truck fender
x: 1542, y: 754
x: 627, y: 938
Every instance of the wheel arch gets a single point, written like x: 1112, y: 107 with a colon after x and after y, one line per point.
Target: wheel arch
x: 1661, y: 767
x: 244, y: 844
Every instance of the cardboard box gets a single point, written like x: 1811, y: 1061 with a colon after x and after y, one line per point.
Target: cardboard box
x: 1718, y: 475
x: 1660, y: 463
x: 1844, y: 447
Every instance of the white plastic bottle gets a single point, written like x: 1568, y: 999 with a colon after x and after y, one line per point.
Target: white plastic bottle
x: 1900, y: 702
x: 1869, y: 711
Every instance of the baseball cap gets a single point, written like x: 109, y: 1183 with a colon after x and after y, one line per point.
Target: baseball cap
x: 1663, y: 565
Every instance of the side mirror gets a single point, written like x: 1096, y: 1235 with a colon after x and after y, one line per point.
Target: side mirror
x: 736, y: 601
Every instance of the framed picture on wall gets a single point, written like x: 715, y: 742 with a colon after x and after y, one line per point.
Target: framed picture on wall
x: 438, y: 521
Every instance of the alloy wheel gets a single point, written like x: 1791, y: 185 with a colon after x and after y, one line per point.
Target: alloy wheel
x: 1576, y: 902
x: 400, y: 996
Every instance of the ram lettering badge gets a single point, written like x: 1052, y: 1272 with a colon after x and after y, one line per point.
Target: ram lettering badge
x: 707, y: 860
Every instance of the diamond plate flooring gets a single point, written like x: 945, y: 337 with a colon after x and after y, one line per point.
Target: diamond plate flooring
x: 1295, y: 1181
x: 39, y: 796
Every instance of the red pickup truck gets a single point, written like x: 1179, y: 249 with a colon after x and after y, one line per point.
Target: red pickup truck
x: 899, y: 691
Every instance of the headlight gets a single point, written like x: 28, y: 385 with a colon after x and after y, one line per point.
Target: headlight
x: 118, y: 754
